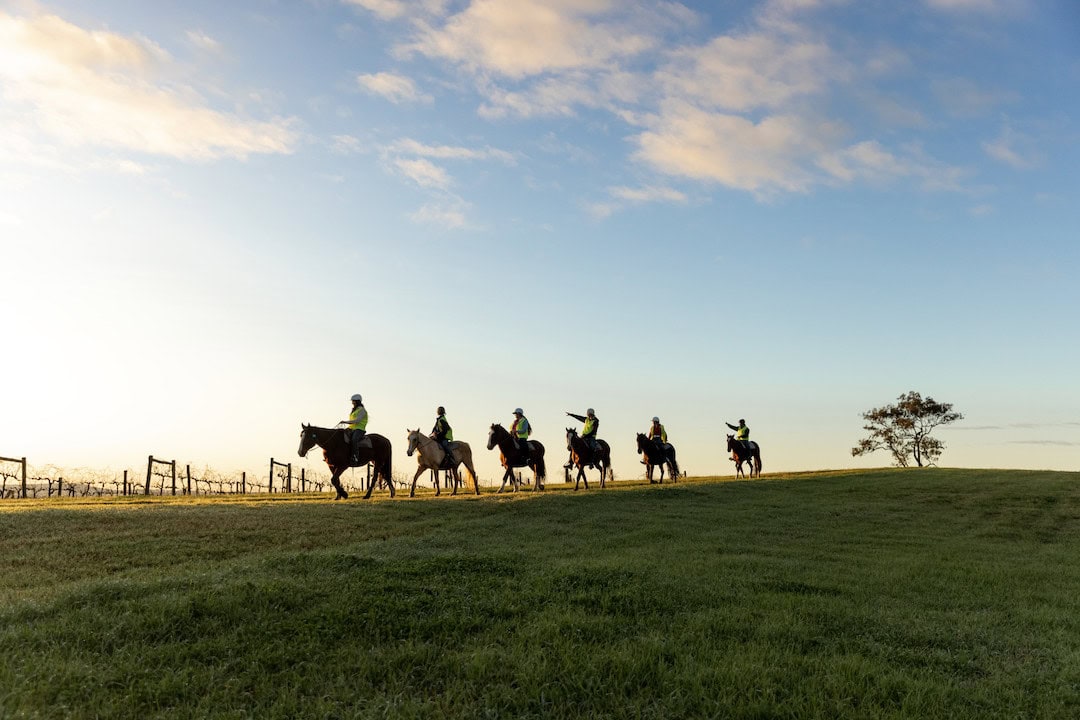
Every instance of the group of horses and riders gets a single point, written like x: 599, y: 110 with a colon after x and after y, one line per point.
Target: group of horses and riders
x: 350, y: 445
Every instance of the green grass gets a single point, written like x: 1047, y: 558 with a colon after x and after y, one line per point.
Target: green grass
x: 927, y: 593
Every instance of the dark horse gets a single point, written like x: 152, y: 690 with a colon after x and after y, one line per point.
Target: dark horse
x: 658, y: 456
x: 582, y: 454
x: 742, y: 455
x: 512, y: 457
x: 338, y: 454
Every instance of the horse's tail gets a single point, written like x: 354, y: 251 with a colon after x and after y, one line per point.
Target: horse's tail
x: 541, y: 468
x: 674, y: 463
x: 757, y: 457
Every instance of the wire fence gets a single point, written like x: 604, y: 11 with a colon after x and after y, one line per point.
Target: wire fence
x: 20, y: 479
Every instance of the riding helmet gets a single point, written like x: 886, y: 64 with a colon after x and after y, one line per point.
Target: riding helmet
x: 357, y: 398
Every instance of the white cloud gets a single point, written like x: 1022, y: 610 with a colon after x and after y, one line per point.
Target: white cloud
x: 441, y: 215
x: 522, y: 38
x: 760, y: 157
x: 647, y: 194
x: 203, y: 41
x: 422, y: 172
x: 393, y: 87
x: 749, y: 72
x: 1013, y: 148
x: 99, y: 89
x: 408, y: 146
x: 385, y: 9
x: 346, y: 144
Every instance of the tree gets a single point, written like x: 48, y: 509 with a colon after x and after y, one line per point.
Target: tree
x: 904, y: 429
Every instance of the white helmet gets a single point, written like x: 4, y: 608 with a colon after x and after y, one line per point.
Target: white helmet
x: 357, y: 398
x: 655, y: 419
x: 590, y: 411
x: 517, y: 411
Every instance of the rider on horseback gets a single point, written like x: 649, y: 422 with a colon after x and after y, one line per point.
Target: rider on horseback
x: 657, y: 434
x: 742, y: 434
x: 442, y: 432
x: 588, y: 433
x: 520, y: 430
x: 356, y: 426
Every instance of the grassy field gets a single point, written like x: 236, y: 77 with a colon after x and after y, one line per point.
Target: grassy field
x: 924, y: 593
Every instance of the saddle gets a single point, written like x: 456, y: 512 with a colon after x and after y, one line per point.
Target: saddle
x: 365, y: 442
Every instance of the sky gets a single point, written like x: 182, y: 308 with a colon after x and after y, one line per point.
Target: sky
x: 221, y: 220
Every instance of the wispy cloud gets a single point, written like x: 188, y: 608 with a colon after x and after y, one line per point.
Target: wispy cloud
x: 395, y: 88
x: 415, y: 160
x: 1013, y: 148
x: 444, y: 215
x: 201, y: 40
x: 100, y: 89
x: 409, y: 146
x: 747, y: 109
x: 423, y: 172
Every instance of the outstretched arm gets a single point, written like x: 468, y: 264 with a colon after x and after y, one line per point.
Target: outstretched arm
x: 580, y: 418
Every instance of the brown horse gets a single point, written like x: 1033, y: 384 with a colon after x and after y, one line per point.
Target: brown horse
x: 658, y: 456
x: 338, y: 455
x: 512, y: 457
x: 742, y: 455
x: 582, y: 454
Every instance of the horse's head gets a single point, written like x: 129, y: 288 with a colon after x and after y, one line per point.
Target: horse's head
x: 731, y: 442
x: 494, y: 434
x: 571, y: 435
x: 307, y: 439
x: 642, y: 442
x: 414, y: 440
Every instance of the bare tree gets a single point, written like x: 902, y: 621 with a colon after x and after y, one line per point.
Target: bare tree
x: 904, y: 429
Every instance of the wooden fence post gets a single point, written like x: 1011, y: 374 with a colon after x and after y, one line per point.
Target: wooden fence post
x: 149, y: 467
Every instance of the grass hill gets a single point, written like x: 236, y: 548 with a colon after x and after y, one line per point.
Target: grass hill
x: 921, y: 593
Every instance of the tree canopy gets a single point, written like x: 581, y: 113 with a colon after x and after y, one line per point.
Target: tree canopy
x: 904, y: 429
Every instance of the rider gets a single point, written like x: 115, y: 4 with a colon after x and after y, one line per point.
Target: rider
x: 588, y: 433
x: 357, y: 426
x: 442, y: 432
x: 520, y: 430
x: 742, y: 434
x: 657, y: 434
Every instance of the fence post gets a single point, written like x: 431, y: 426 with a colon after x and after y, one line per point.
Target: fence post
x: 187, y: 471
x: 59, y: 486
x: 288, y: 478
x: 243, y: 483
x: 271, y: 489
x: 149, y: 467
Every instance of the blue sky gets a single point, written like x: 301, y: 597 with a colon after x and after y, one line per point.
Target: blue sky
x: 221, y: 219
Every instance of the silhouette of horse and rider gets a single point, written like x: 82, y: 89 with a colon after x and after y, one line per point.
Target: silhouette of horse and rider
x: 516, y: 450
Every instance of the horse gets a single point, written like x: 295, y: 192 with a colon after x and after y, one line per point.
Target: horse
x: 742, y: 455
x: 582, y: 454
x: 657, y: 456
x: 430, y: 456
x: 338, y: 455
x: 511, y: 457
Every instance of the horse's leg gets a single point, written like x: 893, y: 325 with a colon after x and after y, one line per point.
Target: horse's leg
x: 372, y: 484
x: 419, y: 470
x: 335, y: 480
